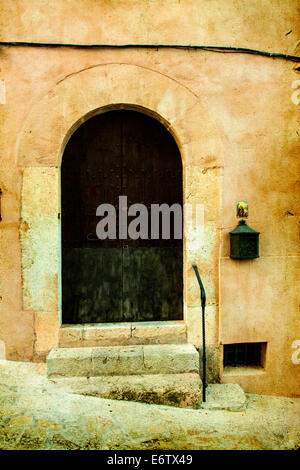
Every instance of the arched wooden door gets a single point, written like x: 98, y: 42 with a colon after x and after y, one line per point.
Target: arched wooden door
x: 113, y: 154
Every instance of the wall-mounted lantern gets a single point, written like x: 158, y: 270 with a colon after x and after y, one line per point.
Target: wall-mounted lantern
x: 244, y: 242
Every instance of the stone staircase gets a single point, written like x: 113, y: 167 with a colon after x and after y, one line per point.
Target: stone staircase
x: 154, y: 373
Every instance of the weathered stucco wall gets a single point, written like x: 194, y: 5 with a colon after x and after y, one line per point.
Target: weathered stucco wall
x: 244, y: 100
x: 213, y: 22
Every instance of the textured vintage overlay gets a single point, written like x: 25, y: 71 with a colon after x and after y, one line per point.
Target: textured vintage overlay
x: 192, y: 103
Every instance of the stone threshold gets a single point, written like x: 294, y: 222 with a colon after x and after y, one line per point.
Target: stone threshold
x: 115, y: 334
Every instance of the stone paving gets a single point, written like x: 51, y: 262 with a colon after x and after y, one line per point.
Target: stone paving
x: 35, y: 414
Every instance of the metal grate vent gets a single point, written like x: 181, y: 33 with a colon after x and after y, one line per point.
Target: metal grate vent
x: 244, y: 354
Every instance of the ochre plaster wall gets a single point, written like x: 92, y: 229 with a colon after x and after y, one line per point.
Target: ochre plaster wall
x: 249, y: 101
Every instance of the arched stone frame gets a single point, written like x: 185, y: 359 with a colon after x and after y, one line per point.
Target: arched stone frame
x: 45, y: 133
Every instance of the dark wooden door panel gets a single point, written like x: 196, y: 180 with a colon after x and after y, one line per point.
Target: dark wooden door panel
x: 92, y: 285
x: 152, y: 284
x: 113, y: 154
x: 152, y: 172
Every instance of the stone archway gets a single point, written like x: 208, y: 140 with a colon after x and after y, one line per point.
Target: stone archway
x: 45, y: 133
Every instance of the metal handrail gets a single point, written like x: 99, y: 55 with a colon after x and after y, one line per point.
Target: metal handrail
x: 203, y: 302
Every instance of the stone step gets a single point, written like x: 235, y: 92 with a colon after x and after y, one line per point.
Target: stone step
x: 117, y: 334
x: 123, y: 360
x: 181, y: 390
x: 229, y: 397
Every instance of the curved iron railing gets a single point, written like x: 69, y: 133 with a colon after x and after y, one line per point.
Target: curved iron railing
x: 203, y: 302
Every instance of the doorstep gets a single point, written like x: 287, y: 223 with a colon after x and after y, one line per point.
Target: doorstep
x: 123, y: 360
x: 166, y: 374
x: 180, y: 390
x: 114, y: 334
